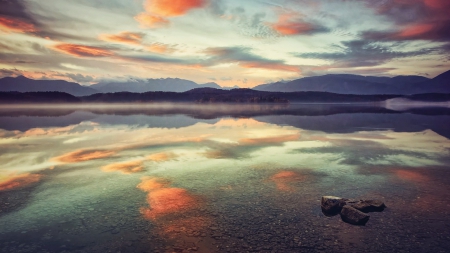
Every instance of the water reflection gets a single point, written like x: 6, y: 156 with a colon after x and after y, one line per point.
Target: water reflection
x: 220, y: 179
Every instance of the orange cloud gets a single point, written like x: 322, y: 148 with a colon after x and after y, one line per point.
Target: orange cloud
x: 123, y: 37
x: 160, y: 48
x: 171, y: 8
x: 269, y: 140
x: 16, y: 25
x: 83, y: 51
x: 151, y: 21
x: 157, y: 11
x: 83, y: 155
x: 414, y: 31
x: 166, y: 201
x: 18, y: 181
x: 162, y: 157
x: 149, y: 184
x: 124, y: 167
x: 284, y: 179
x: 290, y: 24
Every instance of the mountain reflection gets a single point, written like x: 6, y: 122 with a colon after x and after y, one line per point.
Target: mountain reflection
x: 247, y: 177
x: 332, y: 118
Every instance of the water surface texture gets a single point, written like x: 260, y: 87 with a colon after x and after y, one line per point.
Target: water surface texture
x: 239, y: 178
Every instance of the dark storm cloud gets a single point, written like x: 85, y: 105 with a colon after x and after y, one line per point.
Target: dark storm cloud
x: 356, y: 53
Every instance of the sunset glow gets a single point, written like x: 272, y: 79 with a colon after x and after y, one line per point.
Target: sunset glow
x: 231, y: 43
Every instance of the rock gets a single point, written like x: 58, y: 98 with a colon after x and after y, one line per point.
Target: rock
x: 332, y: 205
x: 369, y: 206
x: 353, y: 216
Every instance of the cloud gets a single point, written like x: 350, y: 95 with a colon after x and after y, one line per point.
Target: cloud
x: 158, y: 11
x: 82, y: 50
x: 125, y: 167
x: 246, y: 59
x: 172, y: 8
x: 19, y: 181
x: 151, y: 21
x: 15, y: 18
x: 269, y: 140
x: 360, y: 53
x: 292, y: 23
x: 83, y: 155
x: 415, y: 20
x: 16, y: 25
x: 160, y: 48
x: 80, y: 78
x: 124, y: 37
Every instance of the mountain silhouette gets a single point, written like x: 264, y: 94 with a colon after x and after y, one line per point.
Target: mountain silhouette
x: 354, y: 84
x: 332, y: 83
x: 23, y: 84
x: 162, y: 84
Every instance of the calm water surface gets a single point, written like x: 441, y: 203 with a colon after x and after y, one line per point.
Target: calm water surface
x: 242, y: 178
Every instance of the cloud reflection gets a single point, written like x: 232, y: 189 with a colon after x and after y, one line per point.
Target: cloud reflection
x: 83, y: 155
x: 162, y: 156
x: 164, y: 200
x: 125, y: 167
x: 19, y: 181
x: 284, y: 180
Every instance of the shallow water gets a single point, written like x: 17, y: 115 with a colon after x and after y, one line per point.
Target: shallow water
x: 140, y: 178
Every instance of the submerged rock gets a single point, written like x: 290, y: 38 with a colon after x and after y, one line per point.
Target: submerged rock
x: 367, y: 206
x: 353, y: 216
x: 332, y: 205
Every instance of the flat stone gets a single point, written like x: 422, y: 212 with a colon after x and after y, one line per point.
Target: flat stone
x: 353, y: 216
x: 367, y: 206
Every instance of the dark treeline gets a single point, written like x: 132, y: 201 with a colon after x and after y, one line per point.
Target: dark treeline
x: 208, y: 95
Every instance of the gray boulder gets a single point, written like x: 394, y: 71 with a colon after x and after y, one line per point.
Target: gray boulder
x: 332, y: 205
x: 353, y: 216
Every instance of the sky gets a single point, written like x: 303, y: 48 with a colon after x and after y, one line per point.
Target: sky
x: 230, y: 42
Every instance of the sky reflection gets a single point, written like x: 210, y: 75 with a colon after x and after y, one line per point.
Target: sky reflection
x: 178, y: 181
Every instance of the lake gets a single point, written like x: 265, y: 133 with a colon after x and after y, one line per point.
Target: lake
x: 222, y: 178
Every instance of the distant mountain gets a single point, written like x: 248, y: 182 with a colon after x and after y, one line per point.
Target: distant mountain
x: 210, y: 85
x: 364, y: 85
x: 23, y: 84
x: 162, y: 84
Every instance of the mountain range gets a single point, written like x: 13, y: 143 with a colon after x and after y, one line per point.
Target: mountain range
x: 364, y: 85
x: 334, y: 83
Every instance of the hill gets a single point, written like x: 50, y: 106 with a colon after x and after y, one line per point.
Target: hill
x: 23, y: 84
x: 37, y: 97
x: 162, y: 84
x: 364, y: 85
